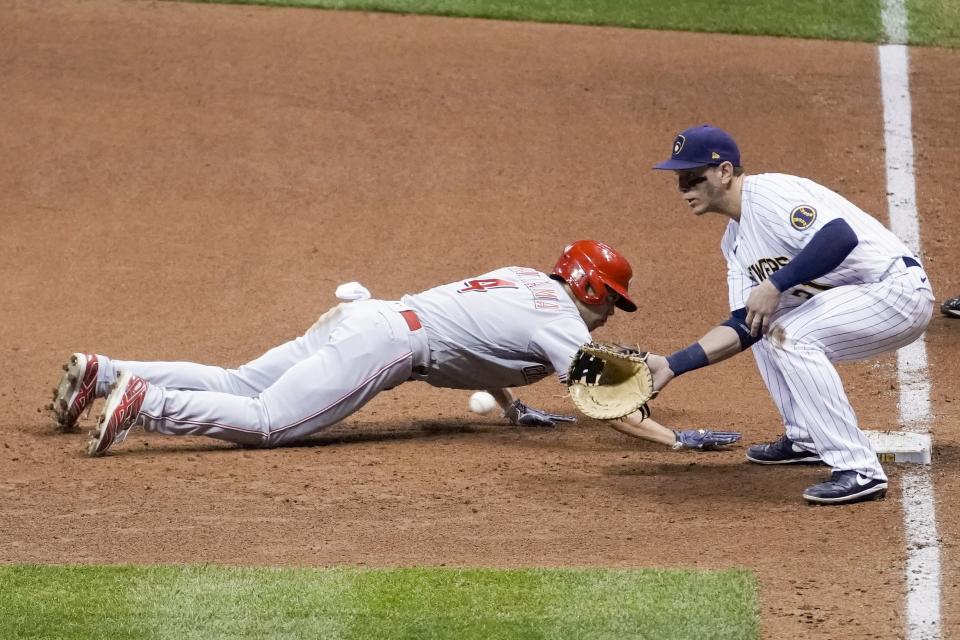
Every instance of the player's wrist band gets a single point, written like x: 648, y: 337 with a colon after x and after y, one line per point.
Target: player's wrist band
x: 693, y: 357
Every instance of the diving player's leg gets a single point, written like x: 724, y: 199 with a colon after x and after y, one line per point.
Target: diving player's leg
x: 353, y: 369
x: 261, y: 373
x: 248, y: 380
x: 365, y: 356
x: 316, y: 392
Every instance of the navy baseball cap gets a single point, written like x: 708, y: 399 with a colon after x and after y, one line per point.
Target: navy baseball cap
x: 701, y: 146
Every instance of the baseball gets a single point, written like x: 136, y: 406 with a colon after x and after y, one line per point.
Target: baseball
x: 482, y: 402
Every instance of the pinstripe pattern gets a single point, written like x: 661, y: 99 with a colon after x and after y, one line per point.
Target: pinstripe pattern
x: 871, y: 303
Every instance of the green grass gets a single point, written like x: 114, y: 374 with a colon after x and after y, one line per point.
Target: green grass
x: 932, y: 22
x: 223, y: 602
x: 218, y: 602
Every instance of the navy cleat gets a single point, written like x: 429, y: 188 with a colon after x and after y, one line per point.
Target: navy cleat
x: 845, y: 487
x: 783, y: 451
x: 951, y: 307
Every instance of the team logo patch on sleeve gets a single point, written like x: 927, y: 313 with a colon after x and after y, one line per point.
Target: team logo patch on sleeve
x: 802, y: 217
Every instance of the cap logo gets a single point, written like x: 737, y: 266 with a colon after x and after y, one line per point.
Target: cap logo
x: 802, y: 217
x: 678, y: 144
x: 714, y: 155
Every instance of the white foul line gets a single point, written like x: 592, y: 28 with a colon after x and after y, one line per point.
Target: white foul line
x: 920, y: 524
x: 894, y: 15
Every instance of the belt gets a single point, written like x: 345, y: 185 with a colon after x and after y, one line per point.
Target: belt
x: 412, y: 320
x: 413, y: 323
x: 910, y: 262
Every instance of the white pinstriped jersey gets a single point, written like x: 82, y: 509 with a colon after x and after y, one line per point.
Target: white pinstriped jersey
x: 506, y: 328
x: 779, y: 215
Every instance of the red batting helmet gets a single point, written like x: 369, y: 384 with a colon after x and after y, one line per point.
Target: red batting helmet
x: 588, y: 262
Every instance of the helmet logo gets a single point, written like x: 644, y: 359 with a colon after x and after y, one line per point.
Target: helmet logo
x: 678, y: 144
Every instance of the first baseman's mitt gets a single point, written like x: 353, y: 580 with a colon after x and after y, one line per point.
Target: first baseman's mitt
x: 609, y: 381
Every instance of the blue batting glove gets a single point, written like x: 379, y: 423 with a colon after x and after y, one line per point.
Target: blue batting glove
x: 705, y: 439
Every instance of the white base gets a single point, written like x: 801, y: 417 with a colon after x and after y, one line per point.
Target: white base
x: 901, y: 446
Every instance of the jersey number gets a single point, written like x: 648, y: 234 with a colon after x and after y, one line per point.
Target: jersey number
x: 485, y: 284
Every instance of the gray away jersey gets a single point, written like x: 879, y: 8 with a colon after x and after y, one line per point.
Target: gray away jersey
x: 779, y: 215
x: 507, y: 328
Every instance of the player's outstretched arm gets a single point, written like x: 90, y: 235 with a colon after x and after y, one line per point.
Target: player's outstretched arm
x: 635, y: 425
x: 520, y: 414
x: 718, y: 344
x: 504, y: 397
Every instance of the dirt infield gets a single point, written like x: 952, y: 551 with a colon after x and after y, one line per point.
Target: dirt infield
x: 192, y: 182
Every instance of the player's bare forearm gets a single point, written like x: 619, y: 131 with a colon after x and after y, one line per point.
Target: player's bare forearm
x: 504, y: 397
x: 518, y: 413
x: 717, y: 345
x: 636, y: 426
x: 660, y: 370
x: 648, y: 429
x: 720, y: 343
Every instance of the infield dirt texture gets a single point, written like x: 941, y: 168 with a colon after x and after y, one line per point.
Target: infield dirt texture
x: 192, y: 182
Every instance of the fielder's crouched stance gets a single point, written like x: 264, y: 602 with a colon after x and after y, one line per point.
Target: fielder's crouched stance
x: 812, y: 280
x: 503, y: 329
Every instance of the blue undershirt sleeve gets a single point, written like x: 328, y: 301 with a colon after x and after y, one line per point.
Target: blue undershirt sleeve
x: 826, y: 250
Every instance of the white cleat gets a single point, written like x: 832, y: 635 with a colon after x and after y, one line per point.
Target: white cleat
x: 119, y: 414
x: 76, y: 392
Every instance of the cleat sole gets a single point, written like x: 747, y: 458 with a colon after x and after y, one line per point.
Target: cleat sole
x: 66, y: 392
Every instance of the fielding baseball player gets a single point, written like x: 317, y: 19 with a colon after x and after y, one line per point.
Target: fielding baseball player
x: 507, y: 328
x: 812, y: 280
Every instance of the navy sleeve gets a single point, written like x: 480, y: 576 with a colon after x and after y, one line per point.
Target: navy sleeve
x: 738, y: 322
x: 826, y: 250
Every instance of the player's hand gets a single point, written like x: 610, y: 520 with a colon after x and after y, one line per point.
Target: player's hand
x: 705, y: 439
x: 660, y: 368
x: 522, y: 415
x: 761, y: 303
